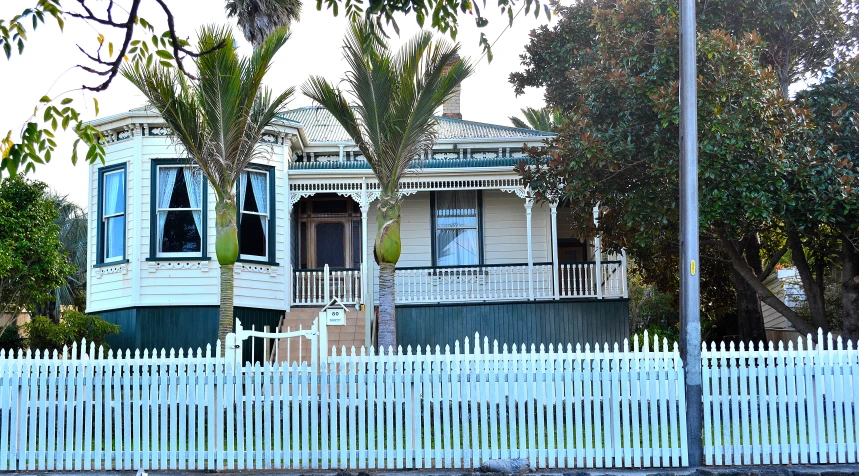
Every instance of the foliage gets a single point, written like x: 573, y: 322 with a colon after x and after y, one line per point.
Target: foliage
x: 669, y: 333
x: 36, y: 144
x: 832, y: 298
x: 11, y: 339
x: 218, y: 120
x: 443, y: 14
x: 32, y: 260
x: 619, y: 146
x: 648, y: 306
x: 392, y: 123
x: 44, y: 334
x: 72, y: 222
x: 543, y: 119
x: 259, y: 18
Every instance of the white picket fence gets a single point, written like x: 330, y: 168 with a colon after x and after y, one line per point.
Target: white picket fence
x: 769, y: 405
x: 419, y: 409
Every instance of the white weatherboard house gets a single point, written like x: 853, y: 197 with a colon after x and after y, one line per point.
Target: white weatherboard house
x: 478, y: 254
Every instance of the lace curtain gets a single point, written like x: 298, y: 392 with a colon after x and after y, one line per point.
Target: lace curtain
x: 456, y: 228
x: 114, y: 204
x: 260, y: 189
x: 194, y: 183
x: 166, y: 182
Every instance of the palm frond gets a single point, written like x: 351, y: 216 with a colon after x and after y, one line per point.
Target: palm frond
x: 259, y: 18
x: 219, y: 119
x: 394, y: 96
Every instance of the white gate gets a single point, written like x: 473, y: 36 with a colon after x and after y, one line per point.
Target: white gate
x: 317, y: 335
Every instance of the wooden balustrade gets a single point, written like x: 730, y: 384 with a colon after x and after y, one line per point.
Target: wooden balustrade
x: 316, y: 287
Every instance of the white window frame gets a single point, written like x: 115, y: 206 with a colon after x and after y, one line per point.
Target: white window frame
x: 105, y: 218
x: 267, y: 215
x: 186, y: 254
x: 476, y: 228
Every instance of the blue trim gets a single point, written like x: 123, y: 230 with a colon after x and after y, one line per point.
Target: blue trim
x: 272, y: 250
x: 99, y: 254
x: 429, y: 164
x: 153, y: 218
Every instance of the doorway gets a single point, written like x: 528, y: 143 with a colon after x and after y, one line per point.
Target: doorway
x: 329, y: 232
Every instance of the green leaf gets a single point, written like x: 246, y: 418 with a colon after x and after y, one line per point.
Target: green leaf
x: 164, y: 54
x: 95, y: 102
x: 45, y: 99
x: 66, y: 101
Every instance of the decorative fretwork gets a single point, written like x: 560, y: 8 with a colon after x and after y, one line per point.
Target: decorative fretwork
x: 159, y: 265
x: 270, y: 270
x: 407, y: 187
x: 121, y: 268
x: 159, y: 131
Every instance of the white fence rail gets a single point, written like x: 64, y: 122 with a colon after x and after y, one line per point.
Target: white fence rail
x: 472, y: 283
x: 781, y: 406
x: 581, y: 280
x: 555, y: 407
x: 316, y: 287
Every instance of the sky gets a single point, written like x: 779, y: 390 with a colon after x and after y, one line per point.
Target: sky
x: 47, y: 68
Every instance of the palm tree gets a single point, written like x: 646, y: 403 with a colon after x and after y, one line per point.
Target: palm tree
x: 391, y: 121
x: 258, y: 18
x: 218, y: 120
x: 72, y: 220
x: 543, y: 119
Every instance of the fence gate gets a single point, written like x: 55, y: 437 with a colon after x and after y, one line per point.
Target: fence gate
x: 271, y: 351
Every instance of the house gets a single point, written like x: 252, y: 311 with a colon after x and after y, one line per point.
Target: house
x: 478, y: 254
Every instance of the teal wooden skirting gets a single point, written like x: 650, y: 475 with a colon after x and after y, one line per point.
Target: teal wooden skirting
x: 541, y: 322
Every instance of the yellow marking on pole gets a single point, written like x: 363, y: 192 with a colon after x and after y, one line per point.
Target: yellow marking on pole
x: 692, y: 267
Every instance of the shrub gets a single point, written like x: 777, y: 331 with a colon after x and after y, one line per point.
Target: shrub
x: 11, y: 339
x: 45, y: 334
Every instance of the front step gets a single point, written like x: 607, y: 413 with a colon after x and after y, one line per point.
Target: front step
x: 302, y: 318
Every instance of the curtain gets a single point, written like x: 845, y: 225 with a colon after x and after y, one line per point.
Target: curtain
x: 194, y: 183
x: 114, y: 200
x: 166, y: 182
x: 260, y: 188
x: 456, y: 228
x: 243, y: 191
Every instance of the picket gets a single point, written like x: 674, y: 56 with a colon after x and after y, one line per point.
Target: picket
x: 558, y: 406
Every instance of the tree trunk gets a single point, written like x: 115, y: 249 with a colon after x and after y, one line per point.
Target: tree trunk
x: 750, y: 319
x: 227, y: 250
x: 225, y: 314
x: 766, y: 296
x: 387, y: 327
x: 813, y: 293
x: 850, y: 290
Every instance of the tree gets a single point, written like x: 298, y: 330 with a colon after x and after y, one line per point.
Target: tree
x: 218, y: 120
x: 824, y: 191
x: 392, y: 123
x: 32, y: 260
x: 619, y: 146
x: 544, y: 119
x: 259, y: 18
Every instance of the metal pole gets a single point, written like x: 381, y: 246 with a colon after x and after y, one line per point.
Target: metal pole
x: 690, y: 317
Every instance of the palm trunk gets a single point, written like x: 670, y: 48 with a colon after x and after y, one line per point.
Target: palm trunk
x: 387, y: 251
x: 387, y: 326
x: 227, y: 250
x: 225, y: 315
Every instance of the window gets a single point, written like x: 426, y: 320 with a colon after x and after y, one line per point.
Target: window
x: 180, y: 215
x: 255, y: 220
x: 456, y: 223
x: 111, y: 212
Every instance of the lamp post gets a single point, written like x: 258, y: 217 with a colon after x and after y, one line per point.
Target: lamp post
x: 690, y: 316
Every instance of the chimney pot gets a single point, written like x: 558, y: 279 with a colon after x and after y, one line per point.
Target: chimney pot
x: 451, y: 107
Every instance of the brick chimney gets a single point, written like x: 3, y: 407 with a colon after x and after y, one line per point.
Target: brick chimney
x: 450, y: 108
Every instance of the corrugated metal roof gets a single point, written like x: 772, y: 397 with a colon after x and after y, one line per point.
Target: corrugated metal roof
x: 320, y: 126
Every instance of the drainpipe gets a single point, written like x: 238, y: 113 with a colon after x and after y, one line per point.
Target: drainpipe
x: 598, y: 253
x: 529, y: 202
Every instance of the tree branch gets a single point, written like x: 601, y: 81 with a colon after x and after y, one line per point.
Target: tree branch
x: 764, y: 293
x: 768, y: 269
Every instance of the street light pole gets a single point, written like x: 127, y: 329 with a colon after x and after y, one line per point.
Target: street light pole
x: 690, y: 317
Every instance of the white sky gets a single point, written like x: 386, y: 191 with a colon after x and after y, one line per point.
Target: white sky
x: 314, y: 48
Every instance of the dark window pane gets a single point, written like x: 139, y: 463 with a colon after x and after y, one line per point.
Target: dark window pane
x: 250, y: 199
x: 329, y: 245
x: 356, y: 243
x: 252, y: 236
x: 329, y: 206
x: 180, y: 232
x: 179, y: 199
x: 302, y: 252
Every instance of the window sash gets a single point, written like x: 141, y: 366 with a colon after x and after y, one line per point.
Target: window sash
x: 158, y: 210
x: 458, y: 229
x: 264, y: 216
x: 108, y: 218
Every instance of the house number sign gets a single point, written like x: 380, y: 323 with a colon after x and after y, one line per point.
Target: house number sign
x: 336, y: 317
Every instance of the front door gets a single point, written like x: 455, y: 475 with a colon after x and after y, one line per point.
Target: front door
x: 330, y: 244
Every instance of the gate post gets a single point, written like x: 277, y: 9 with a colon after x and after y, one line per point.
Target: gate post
x: 327, y: 284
